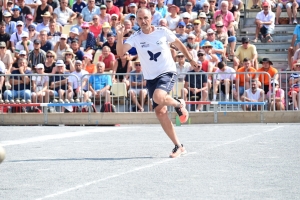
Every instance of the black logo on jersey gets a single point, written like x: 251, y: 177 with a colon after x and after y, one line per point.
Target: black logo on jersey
x: 154, y: 56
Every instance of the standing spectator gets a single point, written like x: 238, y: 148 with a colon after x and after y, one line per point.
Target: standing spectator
x: 10, y: 26
x: 180, y: 32
x: 163, y: 9
x: 265, y: 24
x: 270, y: 72
x: 87, y: 39
x: 39, y: 85
x: 224, y: 78
x: 79, y: 22
x: 182, y: 67
x: 6, y: 57
x: 104, y: 17
x: 195, y: 86
x: 76, y: 50
x: 78, y: 6
x: 111, y: 9
x: 107, y: 58
x: 138, y: 87
x: 45, y: 44
x: 53, y: 3
x: 16, y: 37
x: 173, y: 19
x: 89, y: 11
x: 25, y: 10
x: 246, y: 50
x: 41, y: 10
x: 95, y: 28
x: 61, y: 46
x: 276, y: 97
x: 218, y: 47
x: 243, y: 78
x: 156, y: 15
x: 99, y: 85
x: 20, y: 84
x: 253, y: 94
x: 64, y: 14
x: 37, y: 55
x: 200, y: 35
x: 44, y: 25
x: 16, y: 14
x: 24, y: 44
x: 4, y: 37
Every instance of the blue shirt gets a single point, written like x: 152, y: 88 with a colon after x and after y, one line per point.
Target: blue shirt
x: 42, y: 26
x: 20, y: 86
x: 88, y: 15
x: 163, y: 10
x: 216, y: 45
x: 11, y: 27
x: 78, y: 8
x: 297, y: 33
x: 47, y: 46
x: 100, y: 81
x: 155, y: 18
x: 78, y: 27
x: 182, y: 37
x: 139, y: 78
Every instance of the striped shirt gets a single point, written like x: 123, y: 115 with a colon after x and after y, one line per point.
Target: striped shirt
x: 36, y: 59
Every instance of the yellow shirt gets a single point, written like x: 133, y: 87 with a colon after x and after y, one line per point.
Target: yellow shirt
x: 242, y: 53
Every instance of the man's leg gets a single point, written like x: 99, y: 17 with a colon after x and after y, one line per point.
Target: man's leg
x: 278, y: 12
x: 215, y: 89
x: 236, y: 63
x: 143, y: 94
x: 133, y: 97
x: 227, y: 88
x: 8, y: 94
x: 295, y: 7
x: 289, y: 12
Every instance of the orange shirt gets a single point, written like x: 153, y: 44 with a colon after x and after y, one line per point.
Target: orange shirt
x: 241, y: 77
x: 264, y: 78
x: 91, y: 69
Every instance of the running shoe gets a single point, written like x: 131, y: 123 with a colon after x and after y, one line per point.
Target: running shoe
x: 182, y: 111
x: 178, y: 151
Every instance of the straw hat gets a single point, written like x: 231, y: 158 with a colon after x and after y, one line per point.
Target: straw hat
x: 207, y: 44
x: 68, y: 51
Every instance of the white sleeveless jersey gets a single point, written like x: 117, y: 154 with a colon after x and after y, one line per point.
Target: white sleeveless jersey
x: 254, y: 96
x: 154, y: 51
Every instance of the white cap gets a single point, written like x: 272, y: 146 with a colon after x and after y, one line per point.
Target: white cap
x: 24, y: 34
x: 39, y: 66
x: 22, y: 52
x: 2, y: 67
x: 186, y: 15
x: 114, y: 15
x: 75, y: 31
x: 64, y: 36
x: 20, y: 23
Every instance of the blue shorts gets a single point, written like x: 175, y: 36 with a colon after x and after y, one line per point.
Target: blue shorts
x: 231, y: 39
x: 264, y: 30
x: 241, y: 90
x: 164, y: 82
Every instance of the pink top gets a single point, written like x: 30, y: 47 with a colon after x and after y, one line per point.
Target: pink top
x: 96, y: 30
x: 105, y: 19
x: 227, y: 18
x: 279, y: 93
x: 107, y: 60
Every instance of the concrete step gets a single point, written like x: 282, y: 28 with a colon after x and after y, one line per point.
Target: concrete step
x: 276, y: 38
x: 283, y: 29
x: 251, y: 21
x: 251, y: 13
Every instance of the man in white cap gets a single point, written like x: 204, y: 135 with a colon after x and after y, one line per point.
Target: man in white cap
x: 10, y: 26
x: 114, y: 21
x: 16, y: 37
x: 24, y: 44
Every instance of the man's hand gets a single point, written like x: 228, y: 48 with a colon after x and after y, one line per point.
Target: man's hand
x: 120, y: 29
x: 194, y: 63
x: 21, y: 70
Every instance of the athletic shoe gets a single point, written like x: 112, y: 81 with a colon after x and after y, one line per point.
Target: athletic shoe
x: 182, y: 111
x: 295, y: 21
x: 178, y: 151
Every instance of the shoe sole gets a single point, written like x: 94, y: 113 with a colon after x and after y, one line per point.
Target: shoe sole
x: 181, y: 154
x: 185, y: 117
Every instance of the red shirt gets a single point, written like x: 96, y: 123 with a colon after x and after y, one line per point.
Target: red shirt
x: 107, y: 60
x: 114, y: 10
x: 205, y: 65
x: 96, y: 30
x: 127, y: 2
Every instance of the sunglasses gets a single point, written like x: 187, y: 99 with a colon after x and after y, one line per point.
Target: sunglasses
x: 31, y: 30
x: 114, y: 19
x: 68, y: 54
x: 196, y: 24
x: 186, y: 18
x: 245, y: 42
x: 205, y: 6
x: 142, y: 2
x: 151, y: 5
x: 62, y: 38
x: 102, y: 8
x: 2, y: 47
x: 137, y: 64
x: 190, y: 38
x: 265, y: 7
x: 85, y: 28
x: 16, y: 10
x: 95, y: 18
x: 39, y: 68
x: 207, y: 47
x: 19, y: 25
x: 188, y: 5
x: 202, y: 18
x: 180, y: 26
x: 28, y: 19
x: 22, y: 55
x: 220, y: 26
x: 49, y: 56
x: 200, y: 54
x: 180, y: 56
x: 212, y: 2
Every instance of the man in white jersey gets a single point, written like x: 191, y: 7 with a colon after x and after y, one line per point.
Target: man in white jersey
x: 253, y: 94
x: 159, y: 69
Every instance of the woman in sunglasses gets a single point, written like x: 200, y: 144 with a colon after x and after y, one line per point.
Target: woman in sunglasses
x: 104, y: 17
x: 50, y: 62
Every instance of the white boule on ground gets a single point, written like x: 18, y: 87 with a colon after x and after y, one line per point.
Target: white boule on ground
x: 2, y: 154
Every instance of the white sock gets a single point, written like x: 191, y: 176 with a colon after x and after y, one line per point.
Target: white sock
x: 227, y: 96
x: 215, y: 96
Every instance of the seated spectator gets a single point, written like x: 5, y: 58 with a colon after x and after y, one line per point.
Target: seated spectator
x: 253, y: 94
x: 222, y: 36
x: 243, y: 78
x: 133, y: 25
x: 90, y: 11
x: 173, y: 19
x: 95, y: 28
x: 45, y: 44
x: 41, y: 10
x: 294, y: 47
x: 39, y: 85
x: 191, y: 40
x: 122, y: 65
x: 58, y: 84
x: 189, y: 28
x: 49, y: 64
x: 227, y: 16
x: 196, y: 5
x: 16, y: 36
x: 180, y: 32
x: 276, y: 97
x: 255, y: 4
x: 108, y: 58
x: 63, y: 14
x: 4, y: 37
x: 2, y: 79
x: 6, y: 57
x: 21, y: 54
x: 204, y: 25
x: 130, y: 6
x: 128, y: 29
x: 53, y: 3
x: 73, y: 35
x: 195, y: 86
x: 111, y: 9
x: 78, y: 81
x: 182, y: 67
x: 76, y: 50
x: 163, y: 23
x: 29, y: 22
x: 185, y: 17
x: 24, y: 44
x: 161, y: 7
x: 209, y: 14
x: 138, y: 87
x: 16, y: 14
x: 192, y: 51
x: 78, y: 6
x: 180, y: 4
x: 235, y: 6
x: 295, y: 85
x: 288, y: 5
x: 20, y: 84
x: 9, y: 5
x: 156, y: 15
x: 33, y: 34
x: 54, y: 33
x: 69, y: 60
x: 120, y: 5
x: 88, y: 64
x: 200, y: 35
x: 87, y: 39
x: 114, y: 21
x: 223, y: 80
x: 99, y: 85
x: 189, y: 10
x: 212, y: 6
x: 44, y: 25
x: 265, y: 20
x: 207, y: 64
x: 210, y: 53
x: 270, y: 72
x: 10, y: 26
x: 111, y: 43
x: 104, y: 17
x: 217, y: 46
x: 61, y: 46
x: 79, y: 22
x: 246, y: 50
x: 102, y: 37
x: 37, y: 55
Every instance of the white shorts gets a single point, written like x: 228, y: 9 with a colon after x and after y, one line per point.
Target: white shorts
x: 90, y: 94
x: 137, y: 90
